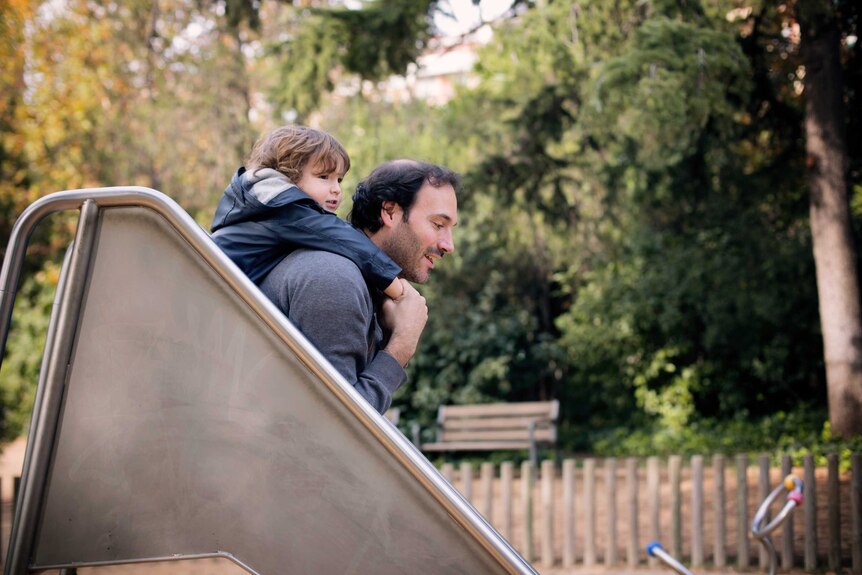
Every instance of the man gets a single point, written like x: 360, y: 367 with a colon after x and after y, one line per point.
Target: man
x: 408, y: 209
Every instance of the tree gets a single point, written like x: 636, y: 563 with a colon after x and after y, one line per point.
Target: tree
x: 134, y: 93
x: 833, y: 242
x: 96, y: 94
x: 636, y: 235
x: 13, y: 167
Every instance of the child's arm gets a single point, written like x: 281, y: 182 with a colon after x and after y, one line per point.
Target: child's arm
x: 299, y: 225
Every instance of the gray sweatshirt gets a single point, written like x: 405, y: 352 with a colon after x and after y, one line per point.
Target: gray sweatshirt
x: 325, y: 296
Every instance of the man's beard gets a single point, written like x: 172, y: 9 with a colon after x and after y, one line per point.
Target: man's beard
x: 404, y: 249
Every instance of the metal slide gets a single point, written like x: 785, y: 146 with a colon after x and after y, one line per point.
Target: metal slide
x: 179, y: 415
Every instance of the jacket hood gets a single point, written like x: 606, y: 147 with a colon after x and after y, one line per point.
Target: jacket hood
x: 251, y: 195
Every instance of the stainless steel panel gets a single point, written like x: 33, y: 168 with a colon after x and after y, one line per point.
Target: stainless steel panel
x: 195, y: 423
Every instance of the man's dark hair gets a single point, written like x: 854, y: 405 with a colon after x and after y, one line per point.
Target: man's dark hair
x: 396, y: 181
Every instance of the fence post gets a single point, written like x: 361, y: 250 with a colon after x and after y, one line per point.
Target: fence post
x: 697, y: 511
x: 589, y: 512
x: 762, y: 492
x: 448, y: 471
x: 16, y: 489
x: 742, y: 557
x: 674, y: 470
x: 809, y: 505
x: 632, y: 485
x: 568, y: 512
x: 653, y: 500
x: 856, y: 511
x: 527, y: 501
x: 787, y: 528
x: 548, y: 513
x: 467, y: 480
x: 506, y: 474
x: 486, y: 475
x: 611, y: 493
x: 719, y: 555
x: 833, y: 512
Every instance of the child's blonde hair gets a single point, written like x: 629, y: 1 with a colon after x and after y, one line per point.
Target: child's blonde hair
x: 290, y: 149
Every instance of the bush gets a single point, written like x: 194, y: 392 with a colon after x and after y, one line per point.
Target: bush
x: 797, y: 433
x: 26, y: 342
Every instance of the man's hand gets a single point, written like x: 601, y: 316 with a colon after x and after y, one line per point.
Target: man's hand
x: 405, y: 318
x: 395, y: 289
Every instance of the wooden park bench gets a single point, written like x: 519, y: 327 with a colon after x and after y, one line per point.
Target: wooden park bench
x: 495, y: 427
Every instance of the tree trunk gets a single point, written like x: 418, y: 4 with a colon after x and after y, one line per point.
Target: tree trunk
x: 834, y: 248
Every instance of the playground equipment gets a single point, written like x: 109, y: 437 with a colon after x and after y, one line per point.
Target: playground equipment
x: 180, y: 415
x: 655, y: 549
x: 791, y: 485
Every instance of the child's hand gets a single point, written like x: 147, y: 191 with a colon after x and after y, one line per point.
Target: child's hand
x: 395, y: 289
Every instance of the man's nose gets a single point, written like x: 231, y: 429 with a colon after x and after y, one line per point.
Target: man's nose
x: 446, y: 243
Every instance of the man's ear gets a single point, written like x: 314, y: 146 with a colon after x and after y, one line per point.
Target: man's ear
x: 388, y: 212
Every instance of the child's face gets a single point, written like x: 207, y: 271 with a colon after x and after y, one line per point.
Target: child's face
x: 324, y: 188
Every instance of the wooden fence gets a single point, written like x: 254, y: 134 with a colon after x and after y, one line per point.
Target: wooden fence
x: 592, y: 512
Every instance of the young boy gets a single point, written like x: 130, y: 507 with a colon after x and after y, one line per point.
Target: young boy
x: 285, y: 198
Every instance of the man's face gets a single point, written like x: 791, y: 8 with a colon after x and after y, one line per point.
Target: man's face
x: 417, y: 242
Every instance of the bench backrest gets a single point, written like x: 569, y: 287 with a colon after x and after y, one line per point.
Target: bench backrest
x: 499, y: 422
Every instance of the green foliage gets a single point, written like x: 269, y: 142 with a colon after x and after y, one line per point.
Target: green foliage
x: 632, y: 244
x: 22, y: 360
x: 802, y: 431
x: 303, y: 65
x: 122, y: 94
x: 383, y: 37
x: 13, y: 174
x: 470, y: 357
x: 113, y: 94
x: 677, y: 80
x: 472, y: 349
x: 641, y: 243
x: 634, y: 237
x: 373, y: 131
x: 375, y: 41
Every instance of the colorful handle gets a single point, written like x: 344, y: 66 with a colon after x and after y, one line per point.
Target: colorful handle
x: 651, y: 547
x: 794, y: 487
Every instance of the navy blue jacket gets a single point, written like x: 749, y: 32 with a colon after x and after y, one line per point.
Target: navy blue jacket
x: 261, y: 218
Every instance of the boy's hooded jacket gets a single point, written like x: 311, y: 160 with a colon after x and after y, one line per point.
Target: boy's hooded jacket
x: 262, y: 217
